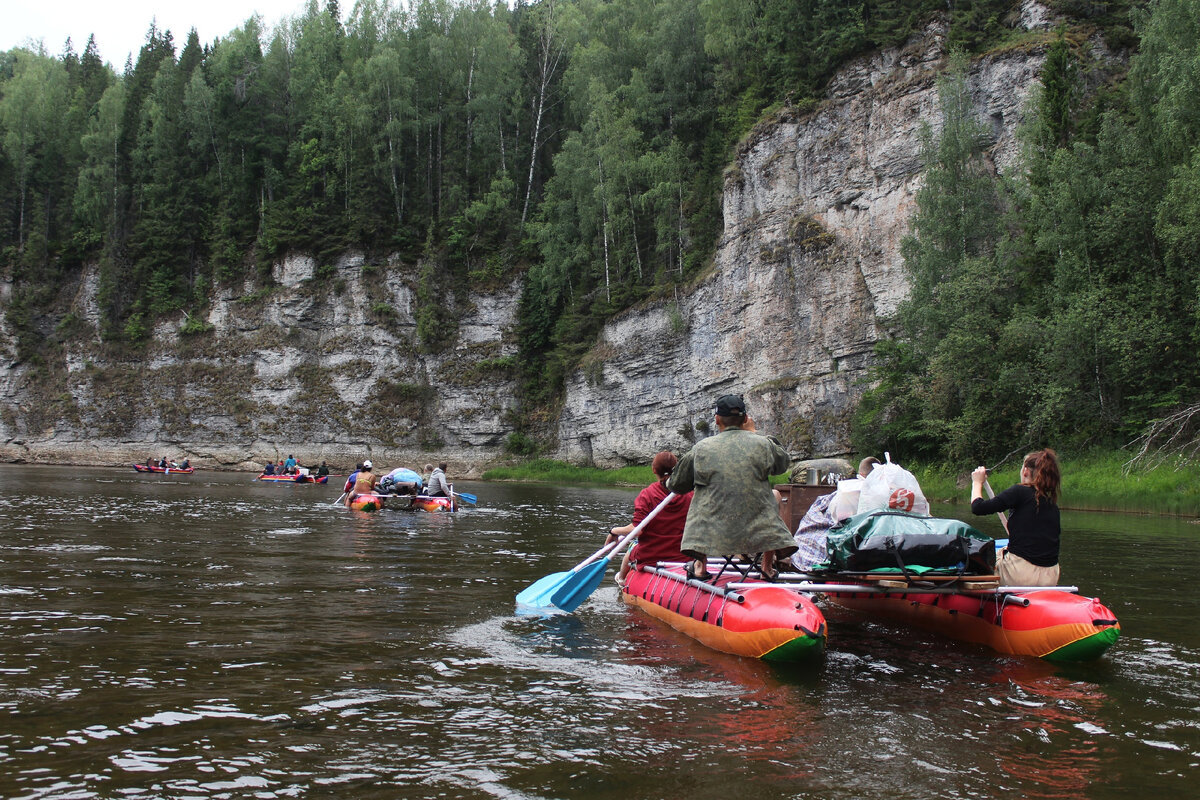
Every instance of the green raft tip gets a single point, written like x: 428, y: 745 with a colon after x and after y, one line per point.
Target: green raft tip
x: 1088, y: 648
x: 800, y: 649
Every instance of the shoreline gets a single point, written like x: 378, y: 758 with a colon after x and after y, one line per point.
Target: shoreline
x: 206, y: 460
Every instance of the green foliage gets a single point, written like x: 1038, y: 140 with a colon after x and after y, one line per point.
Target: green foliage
x: 545, y: 470
x: 521, y: 444
x: 1066, y: 312
x: 939, y: 384
x: 195, y: 326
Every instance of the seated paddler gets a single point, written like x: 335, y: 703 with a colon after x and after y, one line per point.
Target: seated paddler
x: 733, y: 509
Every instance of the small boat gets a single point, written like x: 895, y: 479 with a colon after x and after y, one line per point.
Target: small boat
x: 164, y: 470
x: 754, y: 618
x: 1051, y: 622
x: 367, y: 502
x: 292, y: 478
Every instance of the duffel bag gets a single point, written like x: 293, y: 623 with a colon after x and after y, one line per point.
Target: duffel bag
x: 902, y: 540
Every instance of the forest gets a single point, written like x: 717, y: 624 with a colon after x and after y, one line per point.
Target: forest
x: 579, y: 145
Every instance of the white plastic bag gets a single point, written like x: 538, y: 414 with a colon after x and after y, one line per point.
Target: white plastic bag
x: 845, y: 504
x: 890, y: 486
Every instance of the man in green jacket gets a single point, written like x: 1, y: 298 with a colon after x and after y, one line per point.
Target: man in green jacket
x: 734, y: 509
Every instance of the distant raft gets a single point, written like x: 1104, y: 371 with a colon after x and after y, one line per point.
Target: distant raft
x: 164, y: 470
x: 297, y: 478
x: 762, y: 620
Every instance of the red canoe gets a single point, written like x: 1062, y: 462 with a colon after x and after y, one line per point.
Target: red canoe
x: 164, y: 470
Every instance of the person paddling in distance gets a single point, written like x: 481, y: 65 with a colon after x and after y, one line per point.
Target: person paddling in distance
x: 364, y: 482
x: 660, y: 539
x: 436, y: 486
x: 1031, y: 557
x: 734, y: 509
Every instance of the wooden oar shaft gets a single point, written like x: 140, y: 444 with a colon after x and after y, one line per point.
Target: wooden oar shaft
x: 987, y: 487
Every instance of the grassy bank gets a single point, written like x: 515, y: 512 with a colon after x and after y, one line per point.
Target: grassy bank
x: 1091, y: 482
x: 545, y: 470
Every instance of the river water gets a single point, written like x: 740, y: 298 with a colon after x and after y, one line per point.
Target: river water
x: 208, y: 636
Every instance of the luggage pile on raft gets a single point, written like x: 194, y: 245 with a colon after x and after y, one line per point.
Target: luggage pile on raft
x: 894, y: 563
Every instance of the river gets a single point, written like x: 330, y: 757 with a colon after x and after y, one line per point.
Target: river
x: 208, y: 636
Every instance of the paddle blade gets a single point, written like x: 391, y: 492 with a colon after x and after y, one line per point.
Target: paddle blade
x: 579, y: 586
x: 468, y: 497
x: 537, y: 594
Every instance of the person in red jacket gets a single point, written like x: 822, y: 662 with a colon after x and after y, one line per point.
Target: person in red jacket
x: 659, y: 540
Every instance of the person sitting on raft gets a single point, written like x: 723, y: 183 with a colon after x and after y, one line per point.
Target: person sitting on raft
x: 364, y: 482
x: 1031, y: 557
x: 734, y: 509
x: 352, y: 478
x: 437, y: 486
x: 660, y: 539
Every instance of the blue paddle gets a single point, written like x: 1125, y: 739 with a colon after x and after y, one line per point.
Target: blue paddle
x: 470, y: 498
x: 573, y: 586
x: 579, y: 585
x: 537, y: 594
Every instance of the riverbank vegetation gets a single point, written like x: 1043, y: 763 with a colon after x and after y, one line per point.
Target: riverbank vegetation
x: 1100, y: 481
x: 1055, y: 305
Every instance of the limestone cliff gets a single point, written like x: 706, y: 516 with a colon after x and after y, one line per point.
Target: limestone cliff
x: 325, y: 370
x: 815, y: 207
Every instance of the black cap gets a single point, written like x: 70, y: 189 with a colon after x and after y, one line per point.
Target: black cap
x: 729, y: 405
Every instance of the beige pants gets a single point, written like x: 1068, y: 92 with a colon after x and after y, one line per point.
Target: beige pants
x: 1016, y: 571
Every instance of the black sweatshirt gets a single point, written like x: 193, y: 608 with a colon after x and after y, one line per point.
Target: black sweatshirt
x: 1033, y: 527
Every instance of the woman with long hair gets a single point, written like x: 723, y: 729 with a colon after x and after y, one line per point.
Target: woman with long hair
x: 659, y: 540
x: 1031, y: 557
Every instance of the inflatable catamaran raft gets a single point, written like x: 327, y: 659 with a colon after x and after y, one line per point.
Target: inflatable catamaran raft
x: 745, y: 617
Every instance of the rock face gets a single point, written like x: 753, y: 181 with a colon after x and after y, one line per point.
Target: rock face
x: 333, y: 374
x: 815, y: 207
